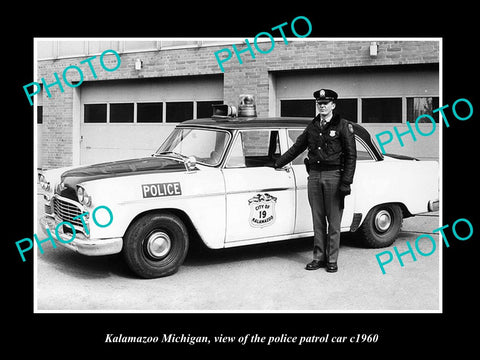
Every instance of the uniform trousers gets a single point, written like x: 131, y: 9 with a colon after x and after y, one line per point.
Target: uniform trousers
x: 326, y: 205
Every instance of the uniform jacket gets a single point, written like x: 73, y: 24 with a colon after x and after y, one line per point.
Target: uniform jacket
x: 332, y: 147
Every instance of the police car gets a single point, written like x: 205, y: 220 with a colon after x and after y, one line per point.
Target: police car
x: 213, y: 180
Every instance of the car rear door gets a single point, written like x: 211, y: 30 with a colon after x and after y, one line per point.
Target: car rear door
x: 303, y: 223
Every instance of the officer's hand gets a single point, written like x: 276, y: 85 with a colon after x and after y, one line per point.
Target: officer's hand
x: 345, y: 189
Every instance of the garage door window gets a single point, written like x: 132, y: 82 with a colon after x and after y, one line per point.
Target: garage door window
x: 179, y: 111
x: 95, y: 113
x: 204, y: 108
x: 39, y: 114
x: 417, y: 106
x: 296, y: 108
x: 121, y: 113
x: 347, y: 108
x: 382, y: 110
x: 150, y: 112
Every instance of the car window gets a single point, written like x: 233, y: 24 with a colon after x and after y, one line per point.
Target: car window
x: 254, y: 148
x: 362, y: 153
x: 293, y: 134
x: 206, y: 145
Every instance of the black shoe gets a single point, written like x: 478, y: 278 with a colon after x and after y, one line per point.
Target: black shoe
x: 315, y: 264
x: 332, y: 267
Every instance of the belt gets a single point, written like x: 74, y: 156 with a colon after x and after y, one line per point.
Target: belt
x: 323, y: 167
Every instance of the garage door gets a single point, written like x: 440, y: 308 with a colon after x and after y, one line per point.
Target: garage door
x: 131, y: 118
x: 379, y: 97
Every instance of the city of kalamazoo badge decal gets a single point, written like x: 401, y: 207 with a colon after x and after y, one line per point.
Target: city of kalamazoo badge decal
x: 262, y: 210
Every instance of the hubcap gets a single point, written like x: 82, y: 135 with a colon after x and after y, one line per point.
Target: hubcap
x: 383, y: 220
x: 158, y: 245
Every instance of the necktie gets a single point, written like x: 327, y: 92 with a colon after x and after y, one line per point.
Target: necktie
x: 322, y: 123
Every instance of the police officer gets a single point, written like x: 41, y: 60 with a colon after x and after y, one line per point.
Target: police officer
x: 331, y: 163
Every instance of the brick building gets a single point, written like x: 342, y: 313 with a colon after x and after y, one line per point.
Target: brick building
x: 128, y: 112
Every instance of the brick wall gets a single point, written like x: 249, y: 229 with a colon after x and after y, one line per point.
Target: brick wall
x: 252, y: 75
x: 55, y: 146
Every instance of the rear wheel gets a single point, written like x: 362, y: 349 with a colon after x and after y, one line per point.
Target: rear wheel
x: 155, y: 245
x: 382, y: 225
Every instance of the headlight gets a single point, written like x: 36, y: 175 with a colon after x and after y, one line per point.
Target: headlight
x: 83, y: 196
x: 44, y: 183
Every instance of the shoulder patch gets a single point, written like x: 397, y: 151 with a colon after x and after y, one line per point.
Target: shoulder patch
x: 350, y: 128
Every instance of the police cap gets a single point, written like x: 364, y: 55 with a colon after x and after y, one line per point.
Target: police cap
x: 325, y: 94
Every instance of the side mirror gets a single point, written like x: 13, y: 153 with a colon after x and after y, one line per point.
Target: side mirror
x: 191, y: 163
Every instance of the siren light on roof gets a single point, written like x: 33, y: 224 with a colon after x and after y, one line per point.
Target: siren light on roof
x: 246, y: 108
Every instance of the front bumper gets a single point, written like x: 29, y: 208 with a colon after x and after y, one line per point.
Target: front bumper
x: 82, y: 244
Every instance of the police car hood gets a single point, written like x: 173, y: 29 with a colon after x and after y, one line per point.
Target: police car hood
x: 72, y: 177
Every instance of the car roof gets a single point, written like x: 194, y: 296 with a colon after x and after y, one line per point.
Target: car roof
x: 249, y: 122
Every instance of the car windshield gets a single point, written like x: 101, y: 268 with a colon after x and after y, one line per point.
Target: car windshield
x: 207, y: 146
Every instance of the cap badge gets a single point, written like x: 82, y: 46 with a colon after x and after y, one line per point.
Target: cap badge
x: 322, y: 93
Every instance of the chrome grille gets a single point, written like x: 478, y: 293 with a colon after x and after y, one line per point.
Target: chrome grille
x: 66, y: 211
x: 48, y: 208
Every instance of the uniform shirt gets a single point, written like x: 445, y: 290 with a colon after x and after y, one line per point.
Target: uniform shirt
x: 330, y: 147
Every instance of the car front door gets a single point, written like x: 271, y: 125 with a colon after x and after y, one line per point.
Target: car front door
x: 260, y: 201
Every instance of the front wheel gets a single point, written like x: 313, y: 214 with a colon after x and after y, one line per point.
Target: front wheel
x: 155, y: 245
x: 382, y: 225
